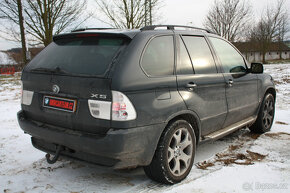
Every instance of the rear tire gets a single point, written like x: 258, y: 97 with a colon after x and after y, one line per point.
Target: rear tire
x: 266, y: 115
x: 174, y: 155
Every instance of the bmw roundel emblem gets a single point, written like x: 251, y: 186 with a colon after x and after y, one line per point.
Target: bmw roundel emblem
x: 46, y: 101
x: 55, y: 89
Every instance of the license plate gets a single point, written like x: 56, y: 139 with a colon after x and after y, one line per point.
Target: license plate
x: 58, y: 103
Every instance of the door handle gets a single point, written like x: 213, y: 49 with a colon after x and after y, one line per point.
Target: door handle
x: 230, y: 82
x: 190, y: 86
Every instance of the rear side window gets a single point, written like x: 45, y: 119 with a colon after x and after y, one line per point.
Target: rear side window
x: 83, y: 56
x: 158, y: 57
x: 184, y: 65
x: 201, y: 56
x: 231, y: 60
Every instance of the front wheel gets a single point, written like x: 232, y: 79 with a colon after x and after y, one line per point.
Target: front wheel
x: 266, y: 115
x: 174, y: 155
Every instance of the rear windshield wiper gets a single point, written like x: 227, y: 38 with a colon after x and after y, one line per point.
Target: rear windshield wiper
x: 41, y: 69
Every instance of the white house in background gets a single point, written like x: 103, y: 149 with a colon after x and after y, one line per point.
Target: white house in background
x: 252, y: 52
x: 6, y: 60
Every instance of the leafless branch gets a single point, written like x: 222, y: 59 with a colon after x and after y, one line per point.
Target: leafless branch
x: 272, y: 26
x: 125, y: 13
x: 227, y: 18
x: 45, y: 18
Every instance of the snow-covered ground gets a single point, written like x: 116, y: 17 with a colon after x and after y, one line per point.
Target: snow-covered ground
x: 241, y: 162
x: 5, y: 59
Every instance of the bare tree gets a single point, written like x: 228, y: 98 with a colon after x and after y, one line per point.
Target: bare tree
x: 273, y: 26
x: 283, y: 29
x: 148, y: 12
x: 129, y: 14
x: 228, y: 18
x: 22, y: 33
x: 44, y: 18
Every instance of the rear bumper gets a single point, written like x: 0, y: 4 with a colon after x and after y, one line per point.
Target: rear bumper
x: 122, y: 148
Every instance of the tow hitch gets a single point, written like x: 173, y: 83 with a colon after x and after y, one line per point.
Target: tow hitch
x: 57, y: 153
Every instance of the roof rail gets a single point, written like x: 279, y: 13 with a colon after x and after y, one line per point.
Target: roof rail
x: 84, y: 29
x: 172, y: 27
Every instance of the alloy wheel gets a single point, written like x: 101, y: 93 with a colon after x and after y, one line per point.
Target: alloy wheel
x: 179, y: 152
x: 268, y: 113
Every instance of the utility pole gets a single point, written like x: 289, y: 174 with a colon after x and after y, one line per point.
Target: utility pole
x: 21, y: 25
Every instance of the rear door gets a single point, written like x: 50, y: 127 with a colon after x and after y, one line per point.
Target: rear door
x: 241, y: 89
x: 77, y: 66
x: 199, y: 83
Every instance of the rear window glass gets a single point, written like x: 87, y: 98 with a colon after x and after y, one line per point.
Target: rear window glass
x: 158, y: 58
x: 83, y: 56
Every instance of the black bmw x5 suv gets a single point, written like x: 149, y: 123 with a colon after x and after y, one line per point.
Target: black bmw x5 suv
x: 148, y: 97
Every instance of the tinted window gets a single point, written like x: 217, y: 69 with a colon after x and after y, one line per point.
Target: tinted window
x: 88, y: 56
x: 184, y: 63
x: 231, y: 60
x: 201, y: 57
x: 158, y: 58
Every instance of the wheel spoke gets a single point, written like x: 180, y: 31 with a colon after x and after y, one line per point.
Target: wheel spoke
x: 267, y: 103
x: 270, y: 108
x: 177, y: 137
x: 176, y: 168
x: 269, y: 119
x: 186, y: 142
x: 170, y: 154
x: 264, y: 114
x: 185, y: 158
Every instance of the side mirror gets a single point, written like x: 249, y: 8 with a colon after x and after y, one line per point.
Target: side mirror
x: 257, y: 68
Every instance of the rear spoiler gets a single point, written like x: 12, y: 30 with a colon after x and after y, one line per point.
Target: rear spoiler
x: 103, y: 33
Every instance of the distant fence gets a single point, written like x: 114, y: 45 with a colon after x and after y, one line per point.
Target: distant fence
x: 9, y: 69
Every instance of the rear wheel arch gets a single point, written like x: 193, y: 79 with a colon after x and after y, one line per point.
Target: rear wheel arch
x: 163, y: 165
x: 191, y: 118
x: 266, y: 113
x: 272, y: 91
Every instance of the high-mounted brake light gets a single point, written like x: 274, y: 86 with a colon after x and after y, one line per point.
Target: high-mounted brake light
x: 86, y: 35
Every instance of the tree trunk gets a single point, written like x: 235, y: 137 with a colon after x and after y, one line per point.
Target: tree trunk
x: 150, y: 12
x: 21, y: 25
x: 280, y: 50
x: 264, y: 57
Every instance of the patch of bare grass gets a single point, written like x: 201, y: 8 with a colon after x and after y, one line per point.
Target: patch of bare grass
x: 234, y: 147
x: 279, y: 135
x: 281, y: 123
x: 240, y: 158
x: 256, y: 156
x: 204, y: 165
x: 252, y: 135
x: 232, y: 156
x: 286, y: 79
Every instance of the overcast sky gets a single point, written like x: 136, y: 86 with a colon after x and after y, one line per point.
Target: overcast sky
x: 179, y: 12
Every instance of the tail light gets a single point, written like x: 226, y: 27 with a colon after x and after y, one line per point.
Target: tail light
x: 122, y: 108
x: 26, y: 97
x: 100, y: 109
